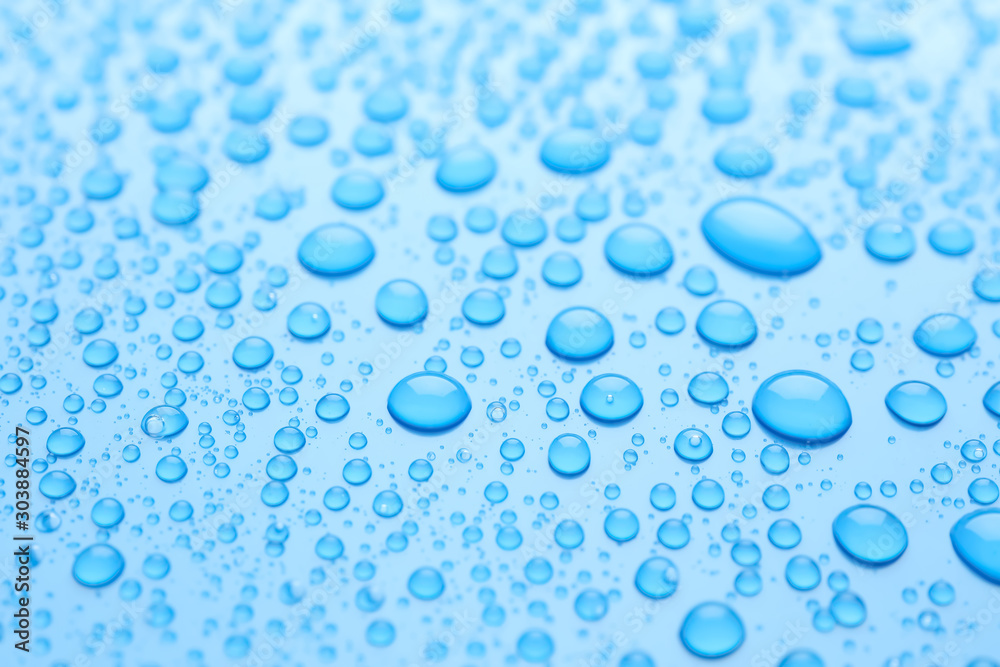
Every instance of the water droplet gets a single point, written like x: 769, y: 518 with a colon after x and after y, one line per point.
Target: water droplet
x: 639, y: 250
x: 579, y: 334
x: 761, y: 237
x: 916, y: 403
x: 611, y: 398
x: 802, y: 406
x: 870, y: 534
x: 429, y: 402
x: 712, y: 630
x: 336, y: 249
x: 569, y: 455
x: 98, y: 565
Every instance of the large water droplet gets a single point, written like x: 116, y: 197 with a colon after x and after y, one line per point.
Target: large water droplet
x: 870, y: 534
x: 569, y: 455
x: 726, y: 324
x: 466, y: 168
x: 429, y: 402
x: 639, y: 250
x: 163, y: 421
x: 712, y: 630
x: 401, y: 303
x: 574, y: 151
x: 945, y: 335
x: 657, y: 578
x: 611, y: 398
x: 579, y: 334
x: 802, y: 406
x: 916, y: 403
x: 761, y: 237
x: 336, y: 249
x: 98, y: 565
x: 65, y: 442
x: 976, y: 539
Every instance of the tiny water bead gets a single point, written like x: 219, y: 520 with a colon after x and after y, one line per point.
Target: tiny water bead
x: 429, y: 402
x: 98, y: 565
x: 712, y: 630
x: 945, y: 335
x: 802, y: 406
x: 569, y: 455
x: 916, y: 403
x: 638, y: 250
x: 401, y: 303
x: 870, y: 534
x: 761, y: 237
x: 657, y: 578
x: 976, y: 539
x: 579, y: 334
x: 693, y: 445
x: 336, y: 249
x: 726, y: 324
x: 611, y: 398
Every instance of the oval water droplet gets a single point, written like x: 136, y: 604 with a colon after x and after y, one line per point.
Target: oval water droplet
x: 579, y: 334
x: 802, y: 406
x: 429, y: 402
x: 870, y: 534
x: 712, y: 630
x: 98, y: 565
x: 761, y: 237
x: 574, y: 151
x: 163, y: 421
x: 726, y: 324
x: 976, y: 540
x: 639, y: 250
x: 466, y: 168
x: 916, y: 403
x: 336, y: 249
x: 945, y: 335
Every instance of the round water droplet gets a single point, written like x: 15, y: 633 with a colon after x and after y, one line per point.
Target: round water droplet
x: 761, y: 237
x: 621, y: 525
x: 870, y: 534
x: 483, y: 307
x: 890, y: 241
x: 401, y: 303
x: 98, y: 565
x: 712, y: 630
x: 426, y: 583
x: 308, y: 321
x: 252, y: 353
x: 657, y: 578
x: 336, y: 249
x: 742, y: 157
x: 708, y: 388
x: 693, y: 445
x: 802, y: 406
x: 639, y: 250
x: 332, y: 408
x: 466, y: 168
x: 171, y: 469
x: 569, y: 455
x: 611, y: 398
x: 429, y: 402
x: 726, y: 324
x: 357, y: 190
x: 916, y: 403
x: 579, y: 334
